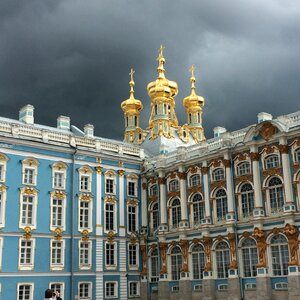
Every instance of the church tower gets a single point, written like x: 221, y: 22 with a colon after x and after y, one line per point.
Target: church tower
x: 193, y: 105
x: 162, y: 92
x: 132, y: 108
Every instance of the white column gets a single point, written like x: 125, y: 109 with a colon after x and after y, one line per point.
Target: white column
x: 123, y: 266
x: 99, y: 223
x: 204, y: 171
x: 162, y: 200
x: 183, y: 200
x: 230, y: 194
x: 122, y: 210
x: 258, y: 200
x: 287, y: 178
x: 144, y: 203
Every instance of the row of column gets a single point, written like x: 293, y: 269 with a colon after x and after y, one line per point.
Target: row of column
x: 258, y: 199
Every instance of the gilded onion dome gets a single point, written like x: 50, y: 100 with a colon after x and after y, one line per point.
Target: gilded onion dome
x: 131, y: 105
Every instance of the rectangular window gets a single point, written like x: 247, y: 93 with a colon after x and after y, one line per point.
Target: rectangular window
x: 28, y: 176
x: 26, y: 254
x: 85, y: 291
x: 109, y: 216
x: 85, y: 183
x: 57, y: 253
x: 132, y: 218
x: 84, y: 255
x: 1, y: 209
x: 132, y: 255
x: 134, y: 289
x: 131, y: 189
x: 111, y: 290
x: 2, y: 173
x: 110, y: 254
x: 27, y: 209
x: 57, y: 287
x: 25, y: 292
x: 84, y: 207
x: 58, y: 180
x: 57, y: 212
x: 109, y: 186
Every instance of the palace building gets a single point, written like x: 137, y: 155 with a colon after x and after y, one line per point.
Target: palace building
x: 165, y: 214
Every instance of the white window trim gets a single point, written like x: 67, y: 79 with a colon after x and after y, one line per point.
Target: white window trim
x: 62, y: 290
x: 110, y: 175
x: 3, y: 162
x: 189, y: 177
x: 90, y: 213
x: 25, y: 283
x: 239, y: 163
x: 136, y: 266
x: 34, y: 194
x: 63, y: 172
x: 116, y: 290
x: 89, y: 265
x: 89, y: 176
x: 1, y: 252
x: 30, y: 163
x: 26, y: 267
x: 130, y: 178
x: 64, y: 206
x: 60, y: 266
x: 137, y: 289
x: 115, y: 265
x: 212, y: 175
x: 90, y: 289
x: 115, y: 217
x: 3, y: 206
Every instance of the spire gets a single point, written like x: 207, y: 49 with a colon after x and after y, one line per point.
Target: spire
x: 161, y: 61
x: 193, y: 80
x: 131, y: 84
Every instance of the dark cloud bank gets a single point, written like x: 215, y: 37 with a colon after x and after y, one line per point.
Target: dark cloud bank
x: 72, y: 57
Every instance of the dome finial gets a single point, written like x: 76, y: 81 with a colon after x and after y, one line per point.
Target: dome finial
x: 161, y: 61
x: 131, y: 83
x: 193, y: 80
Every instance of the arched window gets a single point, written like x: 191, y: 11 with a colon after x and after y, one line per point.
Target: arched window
x: 276, y: 194
x: 222, y: 259
x: 153, y: 190
x: 176, y: 212
x: 155, y: 216
x: 243, y: 168
x: 279, y: 255
x: 250, y: 259
x: 135, y: 120
x: 198, y: 208
x: 272, y: 161
x: 154, y: 274
x: 173, y: 185
x: 218, y: 174
x: 195, y: 180
x: 198, y: 261
x: 176, y: 263
x: 221, y: 204
x: 247, y: 200
x: 297, y: 155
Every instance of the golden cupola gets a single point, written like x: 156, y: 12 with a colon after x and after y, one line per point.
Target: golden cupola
x: 193, y: 105
x: 162, y: 92
x: 132, y: 108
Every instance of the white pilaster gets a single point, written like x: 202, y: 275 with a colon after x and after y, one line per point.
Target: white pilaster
x: 99, y: 223
x: 144, y: 203
x: 99, y: 269
x: 206, y: 192
x: 258, y: 201
x: 183, y: 200
x: 122, y: 211
x: 230, y: 195
x: 163, y: 201
x: 123, y: 287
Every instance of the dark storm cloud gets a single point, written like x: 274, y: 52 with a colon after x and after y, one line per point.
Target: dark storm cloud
x: 73, y: 57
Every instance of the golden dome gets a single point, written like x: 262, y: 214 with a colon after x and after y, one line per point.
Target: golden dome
x: 162, y: 87
x: 193, y: 100
x: 131, y: 105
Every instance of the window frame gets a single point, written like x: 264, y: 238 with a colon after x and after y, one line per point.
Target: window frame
x: 246, y: 197
x: 175, y: 210
x: 200, y: 204
x: 26, y: 266
x: 109, y: 266
x: 200, y: 261
x: 276, y: 191
x: 30, y: 164
x: 247, y: 252
x: 89, y: 214
x: 3, y: 197
x: 193, y: 182
x: 173, y: 185
x: 90, y: 290
x: 3, y: 164
x: 88, y: 265
x: 222, y: 263
x: 115, y: 283
x: 132, y: 218
x: 62, y: 288
x: 57, y: 266
x: 31, y: 284
x: 155, y: 259
x: 216, y: 206
x: 268, y: 164
x: 138, y: 293
x: 133, y: 266
x: 175, y: 264
x: 110, y: 175
x: 113, y: 213
x: 28, y: 192
x: 62, y: 198
x: 240, y: 171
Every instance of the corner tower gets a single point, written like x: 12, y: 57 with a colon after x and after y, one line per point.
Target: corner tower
x: 132, y: 108
x: 193, y: 105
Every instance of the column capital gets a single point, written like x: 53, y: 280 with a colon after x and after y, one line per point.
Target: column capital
x: 254, y: 156
x: 283, y: 149
x: 204, y: 170
x: 226, y: 163
x: 181, y: 175
x: 162, y: 180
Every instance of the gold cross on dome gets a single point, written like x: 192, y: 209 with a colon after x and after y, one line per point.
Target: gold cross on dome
x: 160, y: 52
x: 192, y: 70
x: 131, y: 74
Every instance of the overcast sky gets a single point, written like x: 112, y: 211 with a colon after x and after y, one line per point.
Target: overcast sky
x: 72, y: 57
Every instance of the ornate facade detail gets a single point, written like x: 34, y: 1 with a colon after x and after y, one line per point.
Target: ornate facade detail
x: 85, y: 197
x: 292, y: 233
x: 27, y: 233
x: 181, y: 175
x: 29, y: 191
x: 111, y: 237
x: 216, y: 163
x: 98, y: 169
x: 246, y: 234
x: 254, y: 156
x: 144, y: 186
x: 110, y: 199
x: 267, y: 131
x: 272, y: 172
x: 85, y: 235
x: 173, y: 194
x: 207, y: 242
x: 121, y: 172
x: 260, y: 237
x: 241, y: 156
x: 194, y: 189
x: 217, y: 184
x: 184, y: 244
x: 243, y: 178
x: 59, y: 194
x: 232, y: 248
x: 162, y: 180
x: 152, y: 198
x: 143, y: 249
x: 152, y: 180
x: 204, y: 170
x: 283, y: 149
x: 57, y: 234
x: 163, y: 254
x: 226, y: 163
x: 132, y: 202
